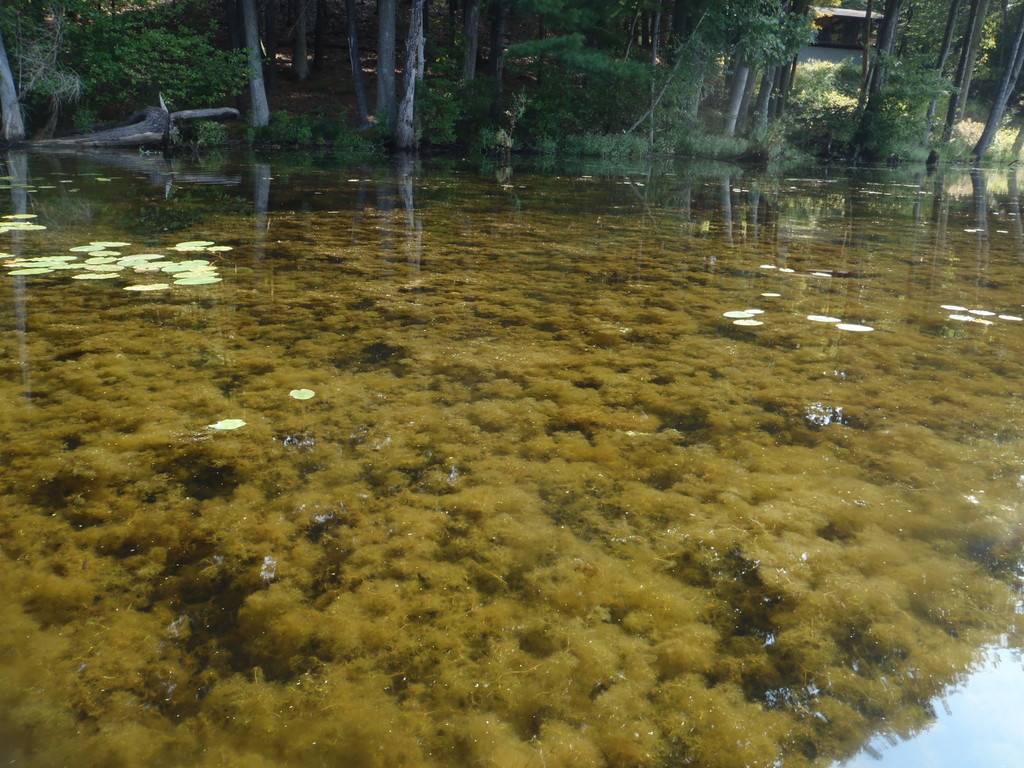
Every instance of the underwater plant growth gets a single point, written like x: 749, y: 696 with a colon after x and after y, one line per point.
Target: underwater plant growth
x: 458, y: 471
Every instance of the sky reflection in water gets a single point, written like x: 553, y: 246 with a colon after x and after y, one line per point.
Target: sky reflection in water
x: 548, y: 505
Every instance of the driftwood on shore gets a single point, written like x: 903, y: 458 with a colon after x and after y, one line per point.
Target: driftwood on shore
x: 146, y: 128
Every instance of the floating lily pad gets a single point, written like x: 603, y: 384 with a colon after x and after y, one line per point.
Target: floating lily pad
x: 19, y: 226
x: 86, y: 248
x: 94, y: 276
x: 100, y: 260
x: 148, y: 287
x: 218, y: 248
x: 742, y: 315
x: 197, y: 280
x: 1011, y: 317
x: 109, y: 245
x: 104, y: 267
x: 754, y: 311
x: 227, y: 424
x: 302, y: 394
x: 21, y: 216
x: 981, y: 312
x: 767, y: 266
x: 824, y: 319
x: 954, y: 307
x: 31, y: 271
x: 191, y: 245
x: 772, y: 295
x: 854, y: 327
x: 747, y: 321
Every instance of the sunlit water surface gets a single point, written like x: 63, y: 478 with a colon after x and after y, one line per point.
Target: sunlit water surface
x: 547, y: 505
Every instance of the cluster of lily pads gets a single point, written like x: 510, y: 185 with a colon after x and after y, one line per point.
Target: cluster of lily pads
x: 747, y: 317
x: 980, y: 316
x: 101, y: 260
x: 18, y: 222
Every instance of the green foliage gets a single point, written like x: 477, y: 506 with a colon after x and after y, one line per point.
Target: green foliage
x: 712, y: 146
x: 125, y: 59
x: 892, y: 128
x: 823, y: 106
x: 320, y: 129
x: 605, y: 145
x: 209, y: 133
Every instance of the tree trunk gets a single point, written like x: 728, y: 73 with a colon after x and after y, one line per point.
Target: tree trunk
x: 147, y: 127
x: 876, y: 79
x: 406, y: 139
x: 743, y: 120
x: 940, y: 67
x: 1006, y: 85
x: 300, y: 52
x: 13, y: 125
x: 497, y: 62
x: 764, y: 97
x: 259, y: 110
x: 1018, y: 145
x: 270, y: 45
x: 470, y: 28
x: 965, y: 69
x: 739, y: 88
x: 386, y: 101
x: 352, y: 25
x: 320, y: 35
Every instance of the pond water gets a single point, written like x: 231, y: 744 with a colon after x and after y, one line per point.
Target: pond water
x: 542, y: 501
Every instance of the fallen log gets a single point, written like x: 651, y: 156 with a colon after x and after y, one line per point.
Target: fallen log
x: 146, y: 128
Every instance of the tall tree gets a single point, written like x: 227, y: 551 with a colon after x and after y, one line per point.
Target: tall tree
x: 259, y: 110
x: 387, y: 104
x: 300, y: 52
x: 406, y: 138
x: 884, y: 47
x: 355, y: 62
x: 13, y: 125
x: 1007, y: 83
x: 965, y: 67
x: 470, y: 30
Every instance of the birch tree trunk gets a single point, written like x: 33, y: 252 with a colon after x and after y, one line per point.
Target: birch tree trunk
x: 259, y: 110
x: 13, y: 125
x: 406, y: 139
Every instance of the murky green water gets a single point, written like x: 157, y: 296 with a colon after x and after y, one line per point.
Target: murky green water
x: 547, y: 506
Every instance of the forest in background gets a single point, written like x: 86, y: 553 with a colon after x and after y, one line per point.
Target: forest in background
x: 698, y: 78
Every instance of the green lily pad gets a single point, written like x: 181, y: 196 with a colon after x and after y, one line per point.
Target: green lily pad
x: 104, y: 267
x: 197, y: 280
x: 302, y: 394
x: 86, y: 248
x: 94, y: 276
x: 192, y: 245
x: 20, y: 216
x: 100, y: 260
x: 227, y: 424
x: 109, y: 245
x: 148, y: 287
x: 31, y: 271
x: 19, y: 226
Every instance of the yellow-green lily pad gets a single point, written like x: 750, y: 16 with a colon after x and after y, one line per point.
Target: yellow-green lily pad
x: 227, y: 424
x: 302, y: 394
